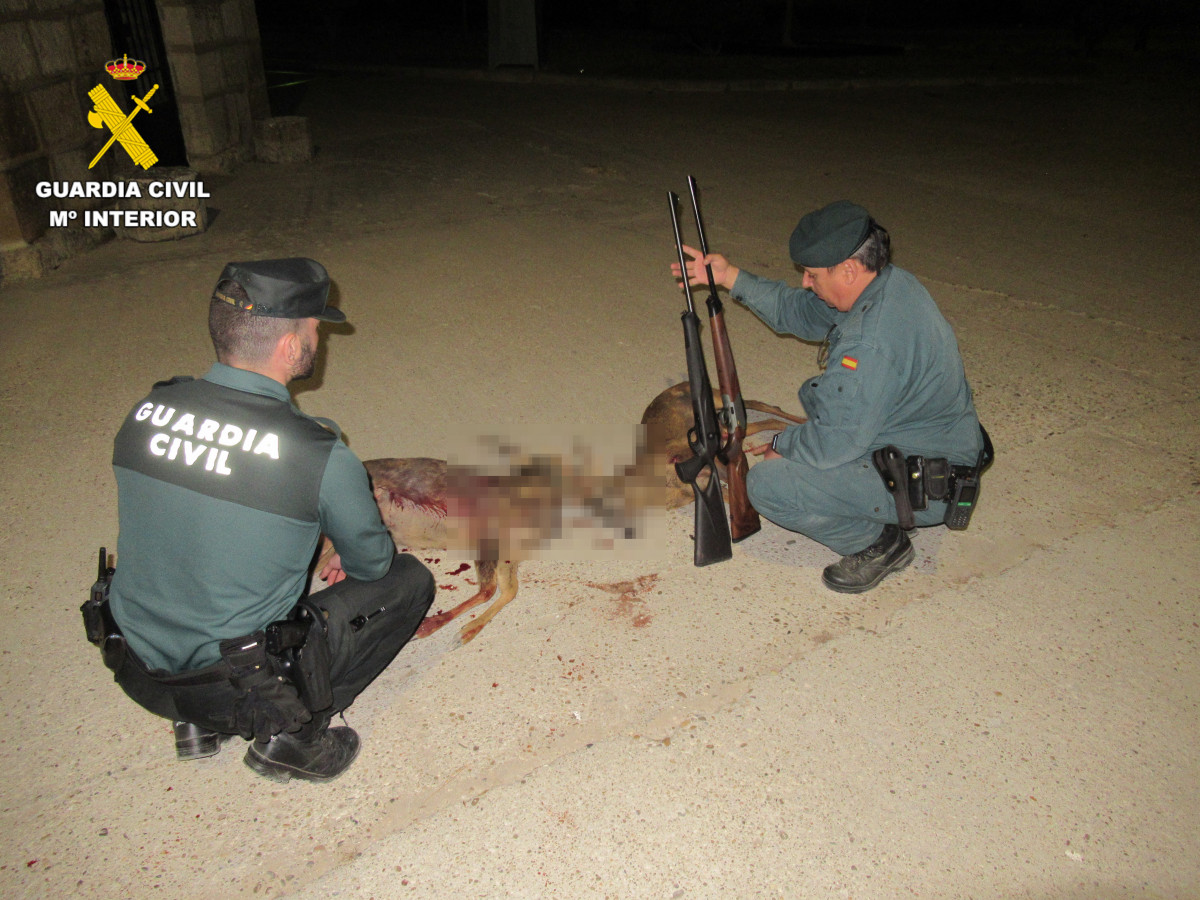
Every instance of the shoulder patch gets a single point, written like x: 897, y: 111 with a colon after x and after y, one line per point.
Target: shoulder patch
x: 849, y: 362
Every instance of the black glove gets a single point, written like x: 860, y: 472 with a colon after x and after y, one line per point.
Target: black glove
x: 268, y: 704
x: 269, y: 708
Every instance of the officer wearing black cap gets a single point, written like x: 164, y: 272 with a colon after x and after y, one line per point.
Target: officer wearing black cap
x: 891, y: 376
x: 224, y: 491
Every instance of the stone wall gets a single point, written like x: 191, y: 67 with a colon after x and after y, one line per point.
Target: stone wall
x: 53, y: 53
x: 220, y: 86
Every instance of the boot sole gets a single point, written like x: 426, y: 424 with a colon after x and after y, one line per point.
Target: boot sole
x: 902, y: 563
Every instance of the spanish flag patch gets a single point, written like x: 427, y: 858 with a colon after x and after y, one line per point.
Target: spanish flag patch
x: 849, y: 362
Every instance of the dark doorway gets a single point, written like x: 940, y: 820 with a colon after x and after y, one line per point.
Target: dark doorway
x: 136, y: 31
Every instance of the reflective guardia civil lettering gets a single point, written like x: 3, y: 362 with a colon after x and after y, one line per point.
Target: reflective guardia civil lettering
x: 172, y: 444
x: 208, y: 430
x: 192, y: 452
x: 216, y: 461
x: 268, y: 445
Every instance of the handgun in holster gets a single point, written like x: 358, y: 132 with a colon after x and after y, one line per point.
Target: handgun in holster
x: 301, y: 645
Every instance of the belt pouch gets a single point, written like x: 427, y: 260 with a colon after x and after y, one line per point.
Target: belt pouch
x: 93, y: 621
x: 247, y: 660
x: 112, y: 650
x: 937, y: 478
x: 916, y: 482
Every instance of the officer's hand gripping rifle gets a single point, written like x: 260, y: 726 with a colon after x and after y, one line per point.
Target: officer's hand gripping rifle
x: 713, y: 543
x: 743, y: 520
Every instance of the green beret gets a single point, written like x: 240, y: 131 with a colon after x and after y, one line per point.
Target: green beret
x: 296, y: 288
x: 829, y: 235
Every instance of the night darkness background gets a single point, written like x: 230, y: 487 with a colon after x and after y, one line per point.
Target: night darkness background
x: 745, y: 38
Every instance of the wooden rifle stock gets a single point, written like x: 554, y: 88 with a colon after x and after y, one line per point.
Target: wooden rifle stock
x: 743, y: 518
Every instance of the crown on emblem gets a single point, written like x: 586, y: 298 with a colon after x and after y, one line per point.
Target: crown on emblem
x: 125, y: 69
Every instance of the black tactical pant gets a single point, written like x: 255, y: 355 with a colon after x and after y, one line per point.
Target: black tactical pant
x: 368, y: 622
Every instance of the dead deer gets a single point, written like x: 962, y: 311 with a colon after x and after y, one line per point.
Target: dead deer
x: 667, y: 420
x: 427, y: 504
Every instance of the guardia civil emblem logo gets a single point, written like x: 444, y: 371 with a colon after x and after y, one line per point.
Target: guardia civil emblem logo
x: 108, y: 115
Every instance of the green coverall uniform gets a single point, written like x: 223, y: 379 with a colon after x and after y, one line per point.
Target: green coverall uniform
x: 894, y: 377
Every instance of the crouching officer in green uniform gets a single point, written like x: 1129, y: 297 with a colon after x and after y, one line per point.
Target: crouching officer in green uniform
x: 224, y: 491
x: 892, y: 396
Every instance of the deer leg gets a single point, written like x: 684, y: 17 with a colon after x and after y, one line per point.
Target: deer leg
x: 507, y: 572
x: 765, y: 425
x: 759, y: 406
x: 486, y: 570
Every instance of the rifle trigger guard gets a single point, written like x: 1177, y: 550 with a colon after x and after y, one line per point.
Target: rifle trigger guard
x: 727, y: 421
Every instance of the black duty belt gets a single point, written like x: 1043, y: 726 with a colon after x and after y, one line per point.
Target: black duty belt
x: 915, y: 480
x: 105, y: 633
x: 295, y: 648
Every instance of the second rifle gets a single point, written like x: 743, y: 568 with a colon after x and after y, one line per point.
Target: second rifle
x: 743, y: 518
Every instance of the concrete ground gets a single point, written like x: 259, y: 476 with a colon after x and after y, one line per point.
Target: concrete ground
x: 1014, y: 716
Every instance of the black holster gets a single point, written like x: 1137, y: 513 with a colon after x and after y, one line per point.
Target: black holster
x: 893, y: 469
x: 98, y: 622
x: 301, y: 644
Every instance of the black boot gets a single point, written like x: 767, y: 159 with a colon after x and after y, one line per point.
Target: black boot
x: 863, y: 570
x: 322, y: 757
x: 195, y: 742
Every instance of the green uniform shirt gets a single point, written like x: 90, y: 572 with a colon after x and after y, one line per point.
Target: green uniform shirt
x: 224, y: 488
x: 894, y: 377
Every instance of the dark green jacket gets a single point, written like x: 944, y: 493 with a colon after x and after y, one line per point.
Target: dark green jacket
x: 224, y: 488
x: 894, y: 376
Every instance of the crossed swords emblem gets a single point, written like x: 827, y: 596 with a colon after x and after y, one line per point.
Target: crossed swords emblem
x: 108, y: 113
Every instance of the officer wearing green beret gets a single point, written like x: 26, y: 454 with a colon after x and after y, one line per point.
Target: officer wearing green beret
x: 224, y: 491
x: 892, y: 377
